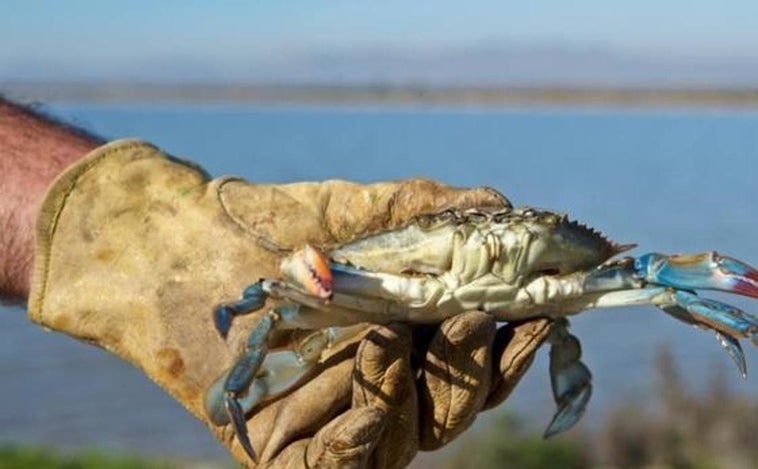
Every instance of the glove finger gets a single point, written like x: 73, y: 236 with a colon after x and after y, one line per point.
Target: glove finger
x: 348, y: 440
x: 415, y: 196
x: 455, y: 379
x: 288, y: 216
x: 514, y: 350
x: 383, y: 379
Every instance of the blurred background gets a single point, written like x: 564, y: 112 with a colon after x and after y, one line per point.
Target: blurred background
x: 639, y: 118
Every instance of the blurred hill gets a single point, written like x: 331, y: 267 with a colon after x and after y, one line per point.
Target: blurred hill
x: 315, y: 94
x: 495, y: 64
x: 482, y: 73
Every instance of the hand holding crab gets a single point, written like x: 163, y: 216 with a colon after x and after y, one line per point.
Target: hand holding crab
x: 514, y: 264
x: 134, y: 248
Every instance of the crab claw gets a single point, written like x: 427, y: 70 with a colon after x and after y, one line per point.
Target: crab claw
x: 669, y: 283
x: 309, y: 268
x: 709, y: 270
x: 728, y: 342
x: 718, y: 316
x: 734, y: 350
x: 727, y: 322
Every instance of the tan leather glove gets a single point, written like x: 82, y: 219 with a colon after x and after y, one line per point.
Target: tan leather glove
x: 136, y: 248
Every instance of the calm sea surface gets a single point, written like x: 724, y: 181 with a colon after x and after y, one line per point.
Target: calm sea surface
x: 672, y: 182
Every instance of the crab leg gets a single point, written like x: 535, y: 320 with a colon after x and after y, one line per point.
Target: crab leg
x: 240, y: 377
x: 253, y: 299
x: 571, y: 380
x: 258, y: 374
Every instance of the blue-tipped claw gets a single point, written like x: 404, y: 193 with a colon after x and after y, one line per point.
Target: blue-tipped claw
x: 709, y: 271
x: 718, y: 316
x: 734, y: 350
x: 730, y: 344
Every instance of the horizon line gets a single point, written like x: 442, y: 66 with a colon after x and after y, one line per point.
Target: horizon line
x: 384, y: 93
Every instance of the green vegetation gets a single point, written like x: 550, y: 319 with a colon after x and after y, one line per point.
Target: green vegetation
x: 12, y: 457
x: 507, y: 443
x: 685, y: 430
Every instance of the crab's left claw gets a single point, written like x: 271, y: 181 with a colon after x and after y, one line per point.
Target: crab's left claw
x: 719, y: 316
x: 571, y: 380
x: 729, y: 343
x: 705, y: 271
x: 669, y: 282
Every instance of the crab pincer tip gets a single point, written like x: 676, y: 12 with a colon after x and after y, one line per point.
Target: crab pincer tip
x: 316, y: 276
x: 739, y: 276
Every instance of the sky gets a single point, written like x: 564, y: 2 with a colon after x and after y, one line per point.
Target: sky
x: 178, y: 40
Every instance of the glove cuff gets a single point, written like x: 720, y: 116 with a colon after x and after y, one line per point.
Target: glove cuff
x: 55, y: 201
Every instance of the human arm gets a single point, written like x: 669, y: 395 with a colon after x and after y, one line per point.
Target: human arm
x: 34, y: 150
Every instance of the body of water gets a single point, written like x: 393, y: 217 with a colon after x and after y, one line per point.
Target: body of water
x: 671, y: 182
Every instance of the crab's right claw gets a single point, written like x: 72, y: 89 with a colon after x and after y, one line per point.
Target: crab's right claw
x: 571, y: 380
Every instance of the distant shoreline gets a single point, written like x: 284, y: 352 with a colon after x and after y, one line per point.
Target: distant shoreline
x: 385, y: 95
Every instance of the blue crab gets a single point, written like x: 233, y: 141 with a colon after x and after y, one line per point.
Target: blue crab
x: 515, y: 264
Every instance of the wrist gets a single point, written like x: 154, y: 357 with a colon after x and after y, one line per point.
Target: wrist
x: 33, y: 151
